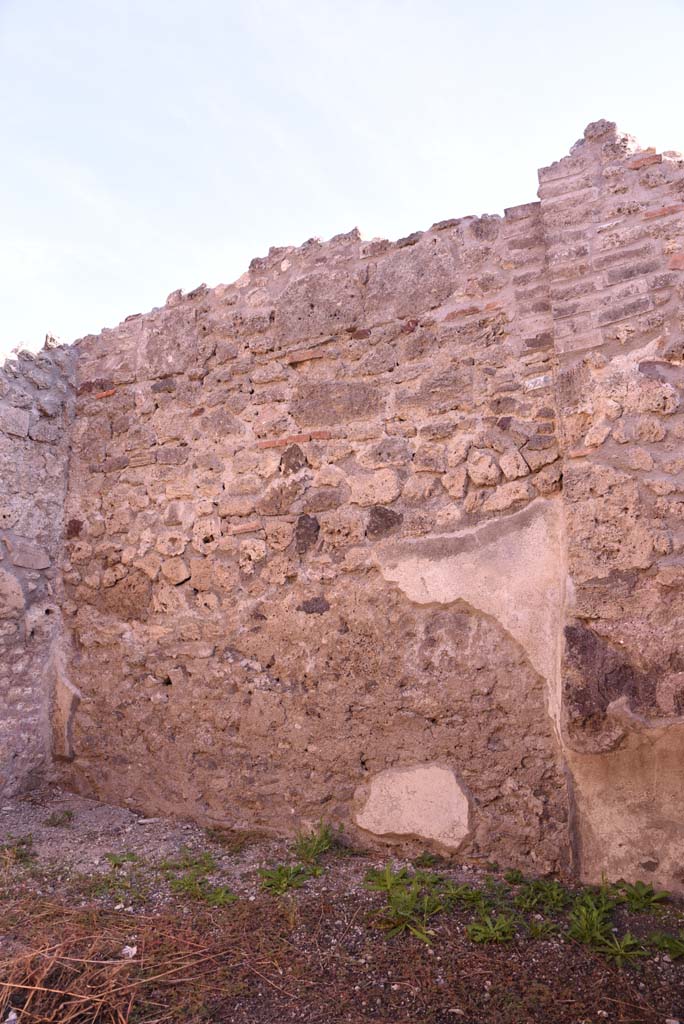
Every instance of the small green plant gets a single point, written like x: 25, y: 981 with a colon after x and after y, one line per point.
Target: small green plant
x: 495, y: 893
x: 488, y: 929
x: 466, y: 895
x: 514, y: 877
x: 429, y: 881
x: 187, y: 876
x: 202, y: 862
x: 427, y: 860
x: 218, y: 896
x: 122, y: 881
x: 601, y: 897
x: 196, y: 887
x: 549, y: 896
x: 59, y: 819
x: 283, y: 877
x: 409, y: 910
x: 118, y: 886
x: 117, y: 860
x: 540, y: 928
x: 588, y: 923
x: 386, y: 880
x: 17, y: 851
x: 673, y: 945
x: 641, y: 896
x: 309, y: 846
x: 621, y: 951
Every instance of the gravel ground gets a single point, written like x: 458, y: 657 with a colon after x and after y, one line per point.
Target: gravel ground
x: 89, y: 883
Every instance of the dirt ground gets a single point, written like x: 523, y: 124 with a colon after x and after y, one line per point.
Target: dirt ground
x: 110, y: 918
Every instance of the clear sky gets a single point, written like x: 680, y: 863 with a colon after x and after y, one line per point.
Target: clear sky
x: 154, y: 144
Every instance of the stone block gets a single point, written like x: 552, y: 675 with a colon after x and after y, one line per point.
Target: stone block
x: 13, y: 421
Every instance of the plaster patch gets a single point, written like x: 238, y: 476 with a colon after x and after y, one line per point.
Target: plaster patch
x: 629, y: 804
x: 509, y: 568
x: 425, y: 801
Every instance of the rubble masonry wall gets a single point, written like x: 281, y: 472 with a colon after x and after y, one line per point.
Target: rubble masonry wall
x: 391, y: 534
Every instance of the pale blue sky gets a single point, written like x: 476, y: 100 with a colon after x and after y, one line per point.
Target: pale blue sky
x: 155, y: 144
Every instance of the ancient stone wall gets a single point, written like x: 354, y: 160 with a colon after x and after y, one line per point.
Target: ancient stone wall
x: 263, y: 479
x: 390, y: 534
x: 614, y: 223
x: 34, y: 415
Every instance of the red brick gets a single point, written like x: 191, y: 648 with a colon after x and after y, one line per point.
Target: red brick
x: 468, y: 311
x: 644, y: 161
x: 677, y: 261
x: 282, y: 442
x: 664, y: 211
x: 105, y: 394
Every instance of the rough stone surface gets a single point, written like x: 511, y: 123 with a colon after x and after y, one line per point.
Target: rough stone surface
x: 34, y: 416
x: 374, y: 513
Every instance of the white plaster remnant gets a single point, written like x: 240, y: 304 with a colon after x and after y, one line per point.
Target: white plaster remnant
x: 424, y: 801
x: 510, y: 568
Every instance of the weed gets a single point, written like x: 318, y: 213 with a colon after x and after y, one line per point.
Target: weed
x: 514, y: 877
x: 642, y: 896
x: 603, y: 897
x: 117, y: 860
x: 429, y: 881
x: 488, y: 929
x: 189, y: 861
x: 588, y: 923
x: 192, y: 880
x: 283, y: 877
x: 673, y: 945
x: 539, y: 928
x: 196, y: 887
x: 119, y: 883
x: 464, y: 894
x: 549, y: 896
x: 310, y: 846
x: 59, y: 819
x: 218, y: 896
x: 386, y: 880
x: 554, y: 896
x: 409, y: 910
x: 427, y: 860
x: 117, y: 886
x: 17, y: 851
x: 621, y: 951
x: 495, y: 893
